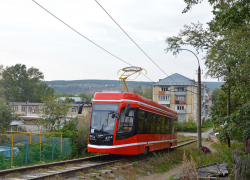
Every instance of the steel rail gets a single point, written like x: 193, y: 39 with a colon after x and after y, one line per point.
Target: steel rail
x: 184, y: 140
x: 28, y: 168
x: 66, y: 173
x: 174, y: 147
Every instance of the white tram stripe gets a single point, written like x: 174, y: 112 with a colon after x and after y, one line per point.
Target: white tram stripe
x: 134, y: 102
x: 125, y: 145
x: 115, y: 146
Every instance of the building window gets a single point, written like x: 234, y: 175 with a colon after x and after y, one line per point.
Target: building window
x: 36, y: 108
x: 180, y: 108
x: 164, y: 97
x: 180, y: 89
x: 180, y: 98
x: 164, y: 88
x: 23, y: 108
x: 29, y: 109
x: 167, y: 105
x: 73, y: 110
x: 16, y: 108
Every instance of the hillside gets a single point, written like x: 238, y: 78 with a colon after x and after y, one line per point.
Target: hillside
x: 92, y: 85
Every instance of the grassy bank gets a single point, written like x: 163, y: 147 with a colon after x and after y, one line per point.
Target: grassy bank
x: 156, y: 162
x: 191, y: 126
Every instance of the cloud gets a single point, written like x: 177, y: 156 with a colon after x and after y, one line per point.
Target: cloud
x: 31, y: 36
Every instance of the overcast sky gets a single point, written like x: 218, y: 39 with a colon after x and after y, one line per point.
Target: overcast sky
x: 31, y: 36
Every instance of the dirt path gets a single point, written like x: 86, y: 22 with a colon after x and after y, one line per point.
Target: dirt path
x: 176, y: 170
x: 208, y: 144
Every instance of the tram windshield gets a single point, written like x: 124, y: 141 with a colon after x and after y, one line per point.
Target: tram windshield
x: 102, y: 120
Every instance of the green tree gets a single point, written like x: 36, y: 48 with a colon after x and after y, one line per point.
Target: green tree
x: 77, y: 130
x: 5, y: 116
x: 54, y: 112
x: 86, y: 97
x: 148, y: 92
x: 21, y: 84
x: 215, y: 94
x: 227, y: 45
x: 65, y: 95
x: 138, y: 90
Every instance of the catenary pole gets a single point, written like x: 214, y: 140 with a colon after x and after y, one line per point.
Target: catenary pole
x: 228, y: 108
x: 199, y: 100
x: 199, y: 108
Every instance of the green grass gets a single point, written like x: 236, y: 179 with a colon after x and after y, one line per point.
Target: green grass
x: 182, y: 137
x: 156, y: 162
x: 191, y: 126
x: 223, y: 154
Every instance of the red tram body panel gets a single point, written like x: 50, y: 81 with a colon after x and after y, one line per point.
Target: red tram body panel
x: 128, y: 124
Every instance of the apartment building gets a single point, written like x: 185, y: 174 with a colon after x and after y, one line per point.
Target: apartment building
x: 180, y: 94
x: 31, y: 110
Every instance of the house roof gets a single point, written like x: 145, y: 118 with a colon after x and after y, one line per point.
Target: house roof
x: 176, y: 79
x: 14, y: 123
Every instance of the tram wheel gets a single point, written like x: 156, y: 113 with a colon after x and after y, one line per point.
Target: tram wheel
x: 146, y: 150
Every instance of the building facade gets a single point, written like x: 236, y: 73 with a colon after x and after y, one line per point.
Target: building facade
x: 35, y: 110
x: 180, y: 94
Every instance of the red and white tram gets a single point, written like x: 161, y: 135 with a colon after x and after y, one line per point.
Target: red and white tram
x: 128, y: 124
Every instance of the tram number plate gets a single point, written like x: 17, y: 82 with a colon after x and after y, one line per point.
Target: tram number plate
x: 92, y: 130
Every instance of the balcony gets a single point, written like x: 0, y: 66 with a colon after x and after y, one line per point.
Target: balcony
x: 181, y: 111
x: 164, y: 92
x: 180, y: 92
x: 180, y: 102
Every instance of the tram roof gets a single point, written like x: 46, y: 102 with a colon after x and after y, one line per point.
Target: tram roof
x: 119, y: 97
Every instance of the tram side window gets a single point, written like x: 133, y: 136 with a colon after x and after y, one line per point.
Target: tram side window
x: 146, y: 123
x: 167, y: 125
x: 171, y: 126
x: 125, y: 124
x: 157, y: 122
x: 141, y: 120
x: 151, y: 119
x: 162, y: 124
x: 175, y: 126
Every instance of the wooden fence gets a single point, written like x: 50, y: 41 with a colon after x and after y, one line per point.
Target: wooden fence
x: 241, y: 166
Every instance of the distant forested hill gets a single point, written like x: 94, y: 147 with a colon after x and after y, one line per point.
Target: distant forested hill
x: 92, y: 86
x: 213, y: 85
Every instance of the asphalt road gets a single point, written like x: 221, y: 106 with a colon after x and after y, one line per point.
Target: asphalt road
x: 203, y: 135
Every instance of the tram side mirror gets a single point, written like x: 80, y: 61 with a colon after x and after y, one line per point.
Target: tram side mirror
x: 127, y: 110
x: 80, y: 109
x: 116, y: 115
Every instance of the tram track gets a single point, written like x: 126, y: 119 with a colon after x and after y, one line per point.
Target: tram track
x: 67, y: 168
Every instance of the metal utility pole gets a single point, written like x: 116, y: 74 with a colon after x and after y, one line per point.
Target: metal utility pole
x: 199, y: 100
x: 228, y: 107
x: 199, y: 108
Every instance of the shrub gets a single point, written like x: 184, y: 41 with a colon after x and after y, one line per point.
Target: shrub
x: 187, y: 126
x: 77, y: 130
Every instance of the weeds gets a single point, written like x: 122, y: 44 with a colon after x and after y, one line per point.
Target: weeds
x: 187, y: 172
x: 182, y: 137
x: 95, y: 171
x: 56, y: 168
x: 14, y: 175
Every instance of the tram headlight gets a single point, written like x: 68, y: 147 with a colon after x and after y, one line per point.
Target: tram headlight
x: 108, y: 137
x: 92, y: 136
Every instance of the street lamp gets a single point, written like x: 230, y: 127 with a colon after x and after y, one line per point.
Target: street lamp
x: 199, y: 99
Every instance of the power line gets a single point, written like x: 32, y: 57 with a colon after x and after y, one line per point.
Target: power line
x: 136, y: 43
x: 99, y: 45
x: 85, y: 36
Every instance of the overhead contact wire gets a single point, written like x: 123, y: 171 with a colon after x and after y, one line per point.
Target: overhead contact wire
x: 137, y: 44
x: 85, y: 36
